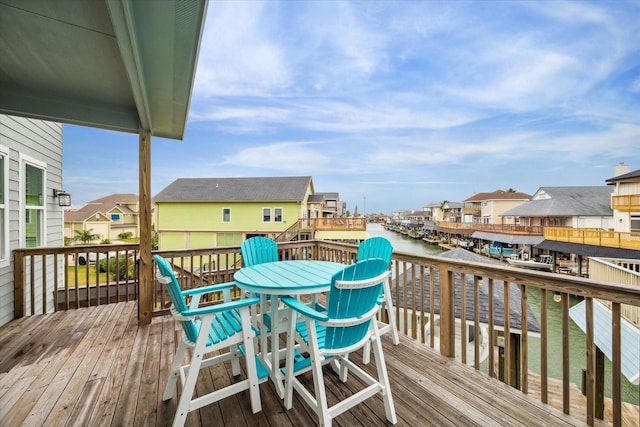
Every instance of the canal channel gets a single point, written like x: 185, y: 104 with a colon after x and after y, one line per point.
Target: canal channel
x: 577, y: 349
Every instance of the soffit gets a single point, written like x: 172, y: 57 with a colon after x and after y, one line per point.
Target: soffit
x: 124, y: 65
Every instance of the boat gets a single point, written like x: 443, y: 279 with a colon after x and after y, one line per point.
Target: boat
x: 470, y: 348
x: 500, y: 250
x: 544, y: 262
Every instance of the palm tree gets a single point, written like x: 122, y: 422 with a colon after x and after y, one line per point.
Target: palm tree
x: 85, y: 236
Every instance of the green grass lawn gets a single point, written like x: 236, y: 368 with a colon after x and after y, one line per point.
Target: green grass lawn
x: 82, y: 275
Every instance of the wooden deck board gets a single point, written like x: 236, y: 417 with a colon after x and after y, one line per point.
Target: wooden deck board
x: 96, y: 366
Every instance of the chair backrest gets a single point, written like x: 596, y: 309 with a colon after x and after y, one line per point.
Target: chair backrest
x: 258, y: 250
x: 375, y: 247
x: 168, y: 277
x: 353, y: 295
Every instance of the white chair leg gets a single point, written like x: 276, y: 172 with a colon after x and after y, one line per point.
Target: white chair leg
x: 383, y: 377
x: 252, y: 370
x: 175, y: 371
x: 190, y: 383
x: 322, y: 407
x: 289, y: 374
x: 391, y: 311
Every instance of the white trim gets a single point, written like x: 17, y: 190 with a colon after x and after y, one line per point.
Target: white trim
x: 23, y: 161
x: 4, y: 262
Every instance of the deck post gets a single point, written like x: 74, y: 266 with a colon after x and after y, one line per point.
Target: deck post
x: 447, y: 312
x: 145, y: 297
x: 19, y: 295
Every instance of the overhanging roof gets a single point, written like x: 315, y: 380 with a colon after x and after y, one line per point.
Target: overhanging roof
x: 514, y: 239
x: 588, y: 250
x: 630, y: 337
x: 124, y: 65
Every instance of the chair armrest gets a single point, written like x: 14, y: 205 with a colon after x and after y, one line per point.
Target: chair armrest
x: 209, y: 289
x: 304, y: 309
x: 232, y: 305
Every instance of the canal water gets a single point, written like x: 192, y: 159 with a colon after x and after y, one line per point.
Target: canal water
x: 577, y: 350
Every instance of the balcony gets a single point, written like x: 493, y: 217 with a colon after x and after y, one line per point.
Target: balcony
x: 594, y: 236
x: 626, y: 203
x: 87, y: 361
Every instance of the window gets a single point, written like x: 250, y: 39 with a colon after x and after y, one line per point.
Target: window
x: 635, y: 224
x: 4, y: 211
x: 266, y: 214
x: 115, y: 217
x: 226, y: 215
x: 33, y: 185
x: 277, y: 214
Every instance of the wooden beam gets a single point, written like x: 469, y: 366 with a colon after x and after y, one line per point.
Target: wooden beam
x: 145, y: 298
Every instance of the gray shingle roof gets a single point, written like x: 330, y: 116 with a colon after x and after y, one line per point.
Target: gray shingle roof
x: 498, y: 294
x: 291, y: 188
x: 566, y: 201
x: 631, y: 175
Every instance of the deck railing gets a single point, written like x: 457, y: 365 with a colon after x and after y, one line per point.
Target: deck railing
x: 423, y: 287
x: 594, y: 236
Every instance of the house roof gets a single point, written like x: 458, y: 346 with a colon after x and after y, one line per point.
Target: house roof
x: 316, y: 198
x: 629, y: 340
x: 452, y: 205
x: 515, y: 316
x: 588, y: 250
x: 103, y: 206
x: 634, y: 175
x: 498, y: 195
x: 123, y: 65
x: 566, y: 201
x: 290, y: 188
x: 331, y: 196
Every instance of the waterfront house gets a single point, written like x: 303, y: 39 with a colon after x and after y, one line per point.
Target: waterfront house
x: 587, y: 207
x: 30, y: 215
x: 451, y: 211
x: 332, y: 206
x: 486, y: 208
x: 579, y: 207
x: 107, y: 217
x: 625, y: 199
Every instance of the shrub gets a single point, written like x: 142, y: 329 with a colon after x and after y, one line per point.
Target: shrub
x: 118, y: 267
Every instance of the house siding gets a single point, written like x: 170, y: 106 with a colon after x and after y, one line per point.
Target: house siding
x: 41, y: 141
x: 182, y: 225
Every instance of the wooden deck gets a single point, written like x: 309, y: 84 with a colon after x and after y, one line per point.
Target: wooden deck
x: 97, y: 367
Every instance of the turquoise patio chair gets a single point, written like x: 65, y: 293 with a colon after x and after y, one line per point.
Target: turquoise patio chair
x: 348, y: 323
x: 380, y: 247
x: 210, y: 329
x: 258, y: 250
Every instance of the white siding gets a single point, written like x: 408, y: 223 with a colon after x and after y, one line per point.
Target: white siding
x: 42, y: 141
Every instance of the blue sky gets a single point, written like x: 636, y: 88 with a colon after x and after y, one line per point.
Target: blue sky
x: 396, y: 104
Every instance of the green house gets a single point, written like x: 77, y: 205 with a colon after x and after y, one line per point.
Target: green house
x: 210, y: 212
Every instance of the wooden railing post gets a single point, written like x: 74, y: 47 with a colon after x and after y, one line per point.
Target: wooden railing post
x: 447, y: 312
x: 19, y: 278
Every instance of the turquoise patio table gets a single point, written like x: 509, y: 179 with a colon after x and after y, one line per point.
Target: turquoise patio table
x: 279, y: 278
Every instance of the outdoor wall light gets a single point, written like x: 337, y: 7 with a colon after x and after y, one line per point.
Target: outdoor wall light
x: 64, y: 198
